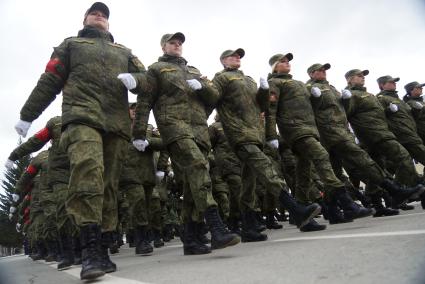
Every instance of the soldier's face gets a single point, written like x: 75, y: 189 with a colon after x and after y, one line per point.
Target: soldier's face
x: 173, y: 47
x: 389, y: 86
x: 132, y: 112
x: 416, y: 92
x: 98, y: 20
x: 283, y: 66
x: 319, y: 74
x: 357, y: 80
x: 232, y: 61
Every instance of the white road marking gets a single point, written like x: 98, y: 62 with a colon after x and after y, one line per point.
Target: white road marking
x: 360, y: 235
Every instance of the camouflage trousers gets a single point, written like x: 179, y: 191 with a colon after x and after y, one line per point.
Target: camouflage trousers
x: 403, y: 167
x: 256, y: 164
x: 309, y: 152
x: 95, y: 163
x: 358, y: 164
x: 234, y: 183
x: 144, y: 206
x: 48, y: 202
x: 63, y: 219
x: 192, y: 166
x: 220, y: 191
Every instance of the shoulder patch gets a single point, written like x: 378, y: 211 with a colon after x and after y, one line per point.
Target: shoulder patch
x: 167, y: 70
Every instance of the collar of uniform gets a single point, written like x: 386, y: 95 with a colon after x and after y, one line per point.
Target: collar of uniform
x: 92, y: 32
x: 233, y: 70
x: 389, y: 93
x: 319, y: 81
x: 356, y: 88
x: 173, y: 59
x: 280, y: 75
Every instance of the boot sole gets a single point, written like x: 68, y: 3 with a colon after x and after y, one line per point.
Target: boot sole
x: 185, y: 252
x: 232, y: 242
x: 312, y: 215
x: 92, y: 275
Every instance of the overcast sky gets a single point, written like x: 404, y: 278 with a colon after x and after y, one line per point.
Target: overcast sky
x: 384, y: 36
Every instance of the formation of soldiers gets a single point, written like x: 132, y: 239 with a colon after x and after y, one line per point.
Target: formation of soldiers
x: 108, y: 172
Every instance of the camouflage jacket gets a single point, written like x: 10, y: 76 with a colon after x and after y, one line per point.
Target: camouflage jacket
x: 329, y: 114
x: 401, y: 122
x: 58, y: 171
x: 239, y: 107
x: 290, y: 108
x: 225, y: 158
x: 85, y: 69
x: 179, y: 111
x: 366, y: 116
x: 140, y: 167
x: 418, y: 113
x: 34, y: 179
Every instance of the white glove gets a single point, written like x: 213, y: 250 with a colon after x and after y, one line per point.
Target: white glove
x: 418, y: 105
x: 171, y: 174
x: 10, y: 216
x: 194, y: 84
x: 128, y: 80
x: 273, y: 143
x: 393, y: 107
x: 12, y: 209
x: 140, y: 144
x: 18, y: 227
x: 22, y: 127
x: 264, y: 84
x: 15, y: 197
x: 356, y: 140
x: 315, y: 92
x: 9, y: 164
x: 160, y: 175
x: 346, y: 94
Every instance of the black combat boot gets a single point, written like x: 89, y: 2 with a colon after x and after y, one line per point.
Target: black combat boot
x: 91, y: 259
x: 249, y: 233
x: 201, y: 233
x: 258, y: 222
x: 130, y: 238
x: 191, y: 243
x: 41, y: 251
x: 157, y: 241
x: 271, y: 222
x: 335, y: 216
x: 234, y: 225
x: 380, y: 209
x: 325, y: 210
x: 143, y: 247
x: 351, y: 209
x: 300, y: 214
x: 220, y: 236
x: 312, y: 226
x: 107, y: 265
x: 406, y: 207
x: 66, y: 251
x: 114, y: 246
x: 52, y: 251
x: 76, y: 246
x: 401, y: 195
x: 167, y: 233
x: 361, y: 197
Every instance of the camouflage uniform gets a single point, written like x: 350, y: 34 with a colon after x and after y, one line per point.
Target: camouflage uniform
x: 181, y: 115
x: 337, y: 139
x: 418, y: 112
x: 229, y: 166
x: 239, y: 111
x: 138, y: 181
x: 402, y: 124
x: 291, y: 110
x: 95, y: 119
x: 367, y: 118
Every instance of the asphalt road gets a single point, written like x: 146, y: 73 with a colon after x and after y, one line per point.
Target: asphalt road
x: 370, y: 250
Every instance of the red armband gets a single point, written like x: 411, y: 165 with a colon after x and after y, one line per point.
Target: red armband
x: 43, y: 135
x: 27, y: 211
x: 55, y: 66
x: 32, y: 170
x: 27, y: 197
